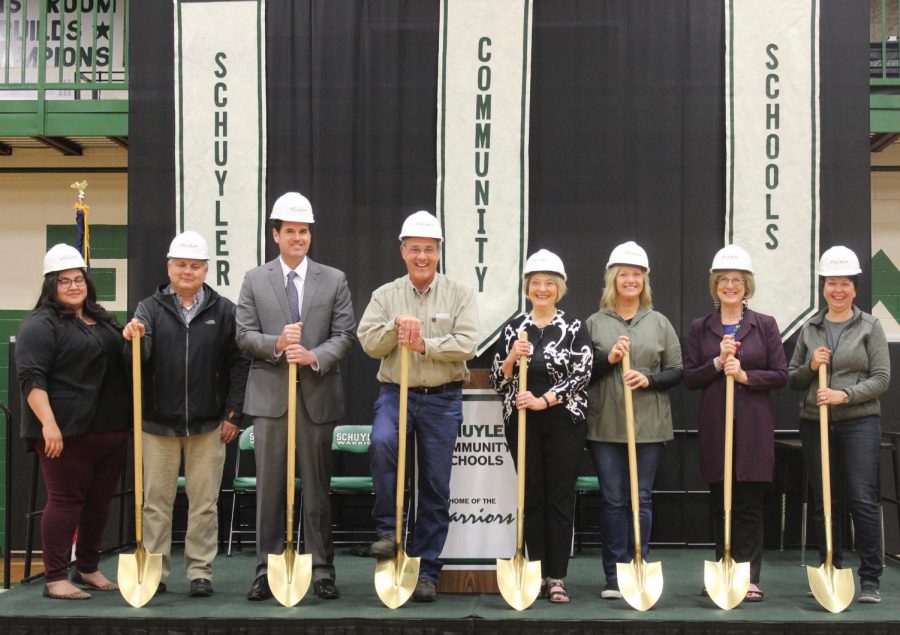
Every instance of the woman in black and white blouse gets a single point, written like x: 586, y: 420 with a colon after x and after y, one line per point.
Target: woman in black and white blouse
x: 560, y: 354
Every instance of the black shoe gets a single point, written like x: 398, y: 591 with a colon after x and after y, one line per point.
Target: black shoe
x: 200, y: 588
x: 326, y: 590
x: 385, y: 547
x: 260, y: 589
x: 869, y: 593
x: 426, y: 591
x: 161, y: 588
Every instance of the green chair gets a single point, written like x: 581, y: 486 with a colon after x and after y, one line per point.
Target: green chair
x: 242, y: 485
x: 584, y: 486
x: 354, y: 439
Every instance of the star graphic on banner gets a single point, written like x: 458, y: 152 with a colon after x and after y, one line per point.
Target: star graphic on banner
x: 103, y: 31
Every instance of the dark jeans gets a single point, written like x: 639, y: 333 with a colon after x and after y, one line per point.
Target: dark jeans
x: 553, y: 447
x: 611, y: 463
x: 854, y: 450
x: 80, y: 484
x: 435, y: 420
x: 746, y: 522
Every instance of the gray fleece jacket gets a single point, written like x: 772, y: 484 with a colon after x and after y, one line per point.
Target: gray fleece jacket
x: 860, y: 366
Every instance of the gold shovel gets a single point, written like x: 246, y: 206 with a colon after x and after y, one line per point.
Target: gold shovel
x: 290, y: 572
x: 396, y: 578
x: 139, y: 573
x: 518, y: 579
x: 832, y: 588
x: 727, y: 581
x: 640, y: 582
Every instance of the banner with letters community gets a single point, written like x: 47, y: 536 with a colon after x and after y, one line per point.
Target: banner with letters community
x: 484, y: 74
x: 220, y: 133
x: 772, y: 149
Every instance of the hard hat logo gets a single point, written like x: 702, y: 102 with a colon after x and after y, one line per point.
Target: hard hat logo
x: 422, y: 224
x: 62, y: 257
x: 839, y: 261
x: 190, y: 245
x: 629, y: 253
x: 292, y: 207
x: 732, y: 257
x: 545, y: 261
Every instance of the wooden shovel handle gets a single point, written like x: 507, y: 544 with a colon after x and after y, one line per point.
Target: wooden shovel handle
x: 520, y: 454
x: 632, y: 458
x: 137, y: 421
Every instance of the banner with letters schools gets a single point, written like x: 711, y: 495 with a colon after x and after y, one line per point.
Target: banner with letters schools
x: 482, y: 151
x: 772, y: 149
x: 220, y: 133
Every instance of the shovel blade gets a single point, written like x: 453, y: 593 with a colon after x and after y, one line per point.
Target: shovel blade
x: 289, y: 576
x: 727, y: 582
x: 641, y: 583
x: 832, y: 588
x: 396, y: 578
x: 139, y: 575
x: 519, y: 581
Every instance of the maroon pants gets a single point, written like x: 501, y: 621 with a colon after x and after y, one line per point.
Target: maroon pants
x: 80, y: 484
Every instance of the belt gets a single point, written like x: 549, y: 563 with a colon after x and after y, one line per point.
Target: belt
x: 434, y: 390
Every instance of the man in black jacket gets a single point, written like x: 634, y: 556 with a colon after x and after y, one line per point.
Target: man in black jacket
x: 194, y: 382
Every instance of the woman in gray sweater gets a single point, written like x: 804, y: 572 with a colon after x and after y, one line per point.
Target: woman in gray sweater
x: 853, y: 345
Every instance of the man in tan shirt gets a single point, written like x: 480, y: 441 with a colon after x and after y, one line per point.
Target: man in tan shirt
x: 438, y: 319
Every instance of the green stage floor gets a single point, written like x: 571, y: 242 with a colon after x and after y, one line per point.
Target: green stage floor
x: 783, y: 581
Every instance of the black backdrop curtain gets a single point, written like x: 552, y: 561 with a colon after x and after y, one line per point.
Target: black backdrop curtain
x: 627, y: 142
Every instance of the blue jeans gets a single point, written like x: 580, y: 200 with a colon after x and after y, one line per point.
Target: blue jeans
x: 854, y: 446
x: 611, y: 463
x: 435, y: 419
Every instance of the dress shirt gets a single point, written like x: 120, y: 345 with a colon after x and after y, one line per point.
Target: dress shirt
x: 449, y: 316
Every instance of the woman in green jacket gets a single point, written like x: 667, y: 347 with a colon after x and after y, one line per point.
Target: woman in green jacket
x: 627, y: 323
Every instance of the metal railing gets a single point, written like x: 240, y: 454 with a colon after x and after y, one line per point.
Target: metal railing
x: 63, y: 49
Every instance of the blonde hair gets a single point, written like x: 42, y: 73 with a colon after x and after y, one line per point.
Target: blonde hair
x: 561, y: 287
x: 749, y: 285
x: 610, y: 295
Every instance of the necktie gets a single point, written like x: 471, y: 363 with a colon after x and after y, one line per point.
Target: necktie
x: 292, y: 296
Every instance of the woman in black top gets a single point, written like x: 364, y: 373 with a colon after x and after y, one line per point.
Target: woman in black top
x: 560, y: 354
x: 72, y: 374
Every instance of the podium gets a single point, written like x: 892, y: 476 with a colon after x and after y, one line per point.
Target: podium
x: 482, y: 494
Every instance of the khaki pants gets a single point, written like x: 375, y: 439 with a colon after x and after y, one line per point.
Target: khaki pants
x: 204, y: 458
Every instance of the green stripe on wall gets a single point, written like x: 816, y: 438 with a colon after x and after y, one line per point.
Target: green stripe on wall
x: 107, y: 241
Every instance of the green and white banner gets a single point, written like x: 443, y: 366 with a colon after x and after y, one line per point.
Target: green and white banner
x: 220, y: 133
x: 482, y: 151
x: 772, y: 148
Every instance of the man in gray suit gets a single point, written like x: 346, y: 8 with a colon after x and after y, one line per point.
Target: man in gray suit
x: 292, y: 309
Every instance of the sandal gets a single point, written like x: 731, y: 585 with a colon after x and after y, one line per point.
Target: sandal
x: 556, y: 591
x: 754, y: 594
x: 542, y: 594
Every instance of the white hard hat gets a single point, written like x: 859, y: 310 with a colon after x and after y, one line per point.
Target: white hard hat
x: 61, y: 257
x: 421, y: 225
x: 839, y: 261
x: 543, y: 260
x: 629, y: 253
x: 188, y: 244
x: 292, y: 207
x: 732, y: 258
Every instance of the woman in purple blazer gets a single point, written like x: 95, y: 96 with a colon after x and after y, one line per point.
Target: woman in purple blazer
x: 735, y: 341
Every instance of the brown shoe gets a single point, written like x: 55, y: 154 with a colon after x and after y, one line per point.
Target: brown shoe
x: 425, y: 591
x: 384, y: 548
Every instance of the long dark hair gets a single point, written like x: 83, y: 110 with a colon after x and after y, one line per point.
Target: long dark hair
x: 50, y: 301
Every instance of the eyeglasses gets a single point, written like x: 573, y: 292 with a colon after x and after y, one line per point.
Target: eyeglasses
x: 735, y: 282
x: 415, y: 252
x: 66, y: 283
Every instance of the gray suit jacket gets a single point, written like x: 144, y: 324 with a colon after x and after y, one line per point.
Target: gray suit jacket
x: 328, y: 331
